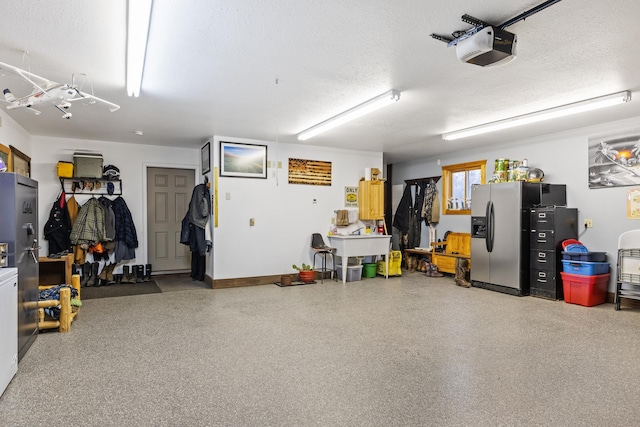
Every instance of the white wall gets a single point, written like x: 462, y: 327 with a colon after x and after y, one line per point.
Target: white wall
x: 285, y: 215
x: 564, y: 159
x: 12, y: 133
x: 131, y: 159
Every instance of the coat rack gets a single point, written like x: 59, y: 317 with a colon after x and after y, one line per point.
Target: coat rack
x: 416, y: 181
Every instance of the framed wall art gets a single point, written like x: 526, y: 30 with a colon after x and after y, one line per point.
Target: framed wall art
x: 243, y: 160
x: 20, y: 162
x: 310, y: 172
x: 205, y: 158
x: 614, y: 160
x: 5, y: 156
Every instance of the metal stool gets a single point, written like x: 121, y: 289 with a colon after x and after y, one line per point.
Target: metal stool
x: 320, y: 248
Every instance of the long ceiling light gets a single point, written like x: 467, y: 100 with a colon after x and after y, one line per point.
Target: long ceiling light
x: 538, y: 116
x: 353, y: 113
x: 137, y: 34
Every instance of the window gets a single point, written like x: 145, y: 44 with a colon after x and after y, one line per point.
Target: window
x: 456, y: 186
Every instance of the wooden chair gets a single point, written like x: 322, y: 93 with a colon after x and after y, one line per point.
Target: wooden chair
x: 457, y: 245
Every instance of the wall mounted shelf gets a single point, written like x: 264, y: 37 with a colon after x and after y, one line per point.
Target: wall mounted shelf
x: 91, y: 186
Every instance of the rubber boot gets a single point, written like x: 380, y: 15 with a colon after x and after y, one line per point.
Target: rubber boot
x: 102, y: 277
x: 139, y: 273
x: 94, y: 280
x: 126, y: 274
x: 86, y: 274
x: 461, y: 273
x: 110, y: 279
x: 147, y: 272
x: 76, y: 268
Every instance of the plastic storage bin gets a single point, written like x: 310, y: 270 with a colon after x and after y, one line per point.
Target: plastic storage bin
x: 394, y: 265
x: 87, y: 165
x: 585, y: 256
x: 585, y: 268
x: 585, y: 290
x: 354, y: 272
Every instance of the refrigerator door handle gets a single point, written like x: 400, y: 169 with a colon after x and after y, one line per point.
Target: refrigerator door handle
x: 490, y: 228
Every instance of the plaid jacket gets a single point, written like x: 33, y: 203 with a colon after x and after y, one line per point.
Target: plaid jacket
x: 89, y: 226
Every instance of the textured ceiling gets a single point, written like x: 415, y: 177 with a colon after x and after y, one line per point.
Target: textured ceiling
x: 212, y: 67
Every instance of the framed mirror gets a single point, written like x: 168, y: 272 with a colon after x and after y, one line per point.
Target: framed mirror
x: 20, y: 162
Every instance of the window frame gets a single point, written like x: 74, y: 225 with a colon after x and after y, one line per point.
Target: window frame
x: 447, y: 185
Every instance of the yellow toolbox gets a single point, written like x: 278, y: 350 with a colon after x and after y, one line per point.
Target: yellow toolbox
x: 65, y: 169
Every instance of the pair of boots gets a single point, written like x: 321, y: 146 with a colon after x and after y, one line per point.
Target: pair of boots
x: 462, y: 269
x: 432, y: 270
x: 106, y: 276
x: 136, y: 273
x: 89, y: 272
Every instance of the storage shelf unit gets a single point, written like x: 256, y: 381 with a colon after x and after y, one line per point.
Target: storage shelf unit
x: 371, y: 200
x: 91, y: 186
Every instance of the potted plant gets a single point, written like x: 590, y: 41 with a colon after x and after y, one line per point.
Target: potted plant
x: 306, y: 272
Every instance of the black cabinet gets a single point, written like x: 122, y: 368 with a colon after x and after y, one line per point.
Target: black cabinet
x: 549, y: 227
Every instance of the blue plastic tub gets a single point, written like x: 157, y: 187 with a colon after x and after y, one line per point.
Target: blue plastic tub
x: 584, y: 268
x: 585, y: 256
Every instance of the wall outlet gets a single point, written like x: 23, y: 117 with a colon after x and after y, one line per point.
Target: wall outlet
x: 588, y: 223
x: 252, y: 222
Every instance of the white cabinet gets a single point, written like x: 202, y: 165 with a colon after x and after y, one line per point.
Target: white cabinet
x: 8, y: 326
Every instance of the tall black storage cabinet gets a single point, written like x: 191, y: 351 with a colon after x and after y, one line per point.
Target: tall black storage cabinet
x: 549, y: 227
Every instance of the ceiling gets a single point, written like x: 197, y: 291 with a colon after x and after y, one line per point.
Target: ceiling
x: 212, y: 67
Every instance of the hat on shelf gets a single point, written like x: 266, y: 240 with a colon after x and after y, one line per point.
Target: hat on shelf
x: 110, y: 188
x: 110, y: 172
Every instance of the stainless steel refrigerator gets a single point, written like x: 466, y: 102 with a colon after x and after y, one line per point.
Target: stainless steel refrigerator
x: 19, y: 229
x: 500, y: 235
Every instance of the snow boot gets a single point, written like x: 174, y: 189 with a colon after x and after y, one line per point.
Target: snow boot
x: 94, y: 279
x: 86, y: 274
x: 139, y: 273
x: 147, y: 272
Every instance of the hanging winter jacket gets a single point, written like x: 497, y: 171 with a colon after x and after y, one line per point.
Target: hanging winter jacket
x: 401, y: 217
x: 58, y: 228
x: 89, y: 226
x: 126, y: 237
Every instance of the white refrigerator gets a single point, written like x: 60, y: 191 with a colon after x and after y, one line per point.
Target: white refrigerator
x: 8, y: 326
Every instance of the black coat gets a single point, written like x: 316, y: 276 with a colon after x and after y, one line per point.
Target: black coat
x: 58, y: 228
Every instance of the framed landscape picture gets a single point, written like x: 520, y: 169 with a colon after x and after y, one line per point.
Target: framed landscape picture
x: 243, y: 160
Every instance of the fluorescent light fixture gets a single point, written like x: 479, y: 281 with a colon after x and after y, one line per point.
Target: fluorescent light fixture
x: 137, y: 34
x: 538, y: 116
x: 353, y: 113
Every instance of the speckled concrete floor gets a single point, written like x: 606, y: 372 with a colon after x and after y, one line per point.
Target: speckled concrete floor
x: 407, y: 351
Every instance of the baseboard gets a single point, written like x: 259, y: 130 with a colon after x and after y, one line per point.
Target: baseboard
x: 241, y: 281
